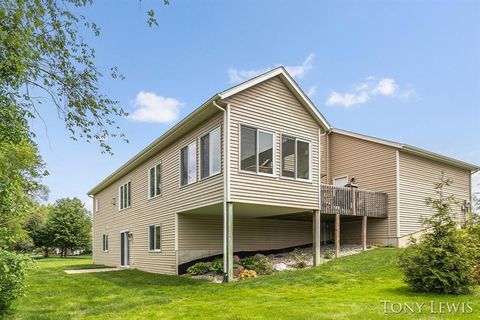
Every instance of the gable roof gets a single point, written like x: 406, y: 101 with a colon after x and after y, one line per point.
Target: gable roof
x: 287, y: 79
x: 207, y: 109
x: 411, y: 149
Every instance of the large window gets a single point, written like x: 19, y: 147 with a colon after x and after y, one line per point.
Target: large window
x: 210, y: 153
x: 256, y: 150
x: 188, y: 164
x: 105, y: 242
x: 154, y: 181
x: 295, y: 158
x: 124, y: 195
x: 154, y: 238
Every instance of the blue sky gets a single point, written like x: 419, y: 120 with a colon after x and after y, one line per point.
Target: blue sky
x: 401, y: 70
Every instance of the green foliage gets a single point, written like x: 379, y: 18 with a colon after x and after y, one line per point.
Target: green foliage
x: 260, y: 266
x: 43, y: 52
x: 442, y: 261
x: 217, y: 266
x: 13, y: 269
x: 329, y: 254
x: 21, y: 170
x: 300, y: 257
x: 198, y: 269
x: 68, y: 225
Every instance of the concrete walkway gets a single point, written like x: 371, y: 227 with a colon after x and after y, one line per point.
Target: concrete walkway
x: 92, y: 270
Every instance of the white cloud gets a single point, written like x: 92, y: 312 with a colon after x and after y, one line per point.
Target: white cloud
x: 346, y: 99
x: 311, y: 91
x: 154, y: 108
x: 236, y: 75
x: 300, y: 71
x: 364, y: 91
x: 386, y: 87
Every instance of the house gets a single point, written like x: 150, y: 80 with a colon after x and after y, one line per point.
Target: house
x: 257, y: 168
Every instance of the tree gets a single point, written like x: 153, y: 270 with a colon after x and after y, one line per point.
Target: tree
x: 21, y: 171
x: 442, y: 261
x: 69, y: 225
x: 43, y: 56
x: 36, y: 228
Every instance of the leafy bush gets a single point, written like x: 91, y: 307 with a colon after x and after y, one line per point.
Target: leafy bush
x: 13, y: 269
x: 245, y: 274
x: 217, y: 266
x: 260, y: 266
x: 442, y: 262
x: 198, y: 269
x: 329, y: 254
x: 300, y: 257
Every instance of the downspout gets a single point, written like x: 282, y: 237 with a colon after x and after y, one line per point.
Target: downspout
x: 93, y: 227
x: 226, y: 174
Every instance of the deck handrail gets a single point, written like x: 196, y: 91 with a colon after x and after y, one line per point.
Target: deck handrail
x: 353, y: 201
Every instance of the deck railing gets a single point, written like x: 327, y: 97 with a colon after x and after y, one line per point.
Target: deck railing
x: 353, y: 202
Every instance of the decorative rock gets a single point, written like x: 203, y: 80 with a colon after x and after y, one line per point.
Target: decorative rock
x: 236, y: 259
x: 237, y: 271
x: 259, y: 256
x: 208, y: 264
x: 280, y: 266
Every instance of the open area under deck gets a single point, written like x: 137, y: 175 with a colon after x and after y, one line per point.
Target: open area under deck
x: 236, y: 228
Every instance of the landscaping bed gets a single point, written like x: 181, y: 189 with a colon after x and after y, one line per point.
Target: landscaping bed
x: 259, y: 264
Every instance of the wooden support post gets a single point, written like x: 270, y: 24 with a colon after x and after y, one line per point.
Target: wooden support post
x: 364, y: 232
x: 337, y: 235
x: 316, y: 237
x: 228, y: 238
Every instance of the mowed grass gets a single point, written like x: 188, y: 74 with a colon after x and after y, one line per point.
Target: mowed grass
x: 348, y: 288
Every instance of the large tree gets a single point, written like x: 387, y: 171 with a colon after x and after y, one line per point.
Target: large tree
x: 44, y: 56
x: 69, y: 225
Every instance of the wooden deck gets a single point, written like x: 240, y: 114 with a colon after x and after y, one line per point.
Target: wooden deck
x: 353, y: 202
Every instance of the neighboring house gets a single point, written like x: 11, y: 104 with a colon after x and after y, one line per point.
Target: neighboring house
x: 258, y: 168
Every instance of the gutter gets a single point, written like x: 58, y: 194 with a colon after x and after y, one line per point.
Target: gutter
x: 226, y: 169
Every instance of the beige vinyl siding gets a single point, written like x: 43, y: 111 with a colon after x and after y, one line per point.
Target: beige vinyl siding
x: 373, y: 166
x: 417, y: 178
x: 202, y: 235
x: 159, y: 210
x: 271, y: 106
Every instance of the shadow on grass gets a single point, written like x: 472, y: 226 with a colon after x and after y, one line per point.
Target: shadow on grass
x: 87, y: 266
x: 140, y: 279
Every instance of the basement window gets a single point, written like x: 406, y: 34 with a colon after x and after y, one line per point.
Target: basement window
x: 105, y: 243
x: 154, y: 238
x: 256, y: 150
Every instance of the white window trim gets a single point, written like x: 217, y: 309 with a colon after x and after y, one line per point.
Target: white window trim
x: 274, y: 155
x: 339, y: 177
x: 154, y: 230
x: 149, y: 180
x: 103, y: 242
x: 211, y: 173
x: 180, y: 164
x: 118, y: 195
x: 97, y: 202
x: 310, y: 178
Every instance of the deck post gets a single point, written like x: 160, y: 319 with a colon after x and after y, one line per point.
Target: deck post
x: 228, y: 238
x: 316, y: 237
x: 364, y: 232
x: 337, y: 235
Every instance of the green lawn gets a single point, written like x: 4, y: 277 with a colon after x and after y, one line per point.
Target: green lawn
x: 348, y: 288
